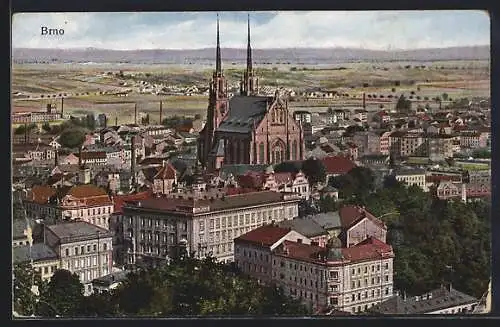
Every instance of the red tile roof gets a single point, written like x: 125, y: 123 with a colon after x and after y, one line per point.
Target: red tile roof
x: 301, y: 251
x: 369, y: 249
x: 92, y: 155
x: 166, y: 172
x: 350, y: 214
x: 239, y: 190
x: 119, y: 200
x: 250, y: 180
x: 42, y: 193
x: 338, y: 165
x: 265, y: 235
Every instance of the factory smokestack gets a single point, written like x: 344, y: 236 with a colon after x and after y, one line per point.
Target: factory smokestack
x: 116, y: 120
x: 364, y: 100
x: 132, y: 162
x: 56, y: 158
x: 62, y: 108
x: 25, y: 133
x: 135, y: 114
x: 161, y: 111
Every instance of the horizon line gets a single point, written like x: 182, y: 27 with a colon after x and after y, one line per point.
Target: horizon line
x: 244, y: 48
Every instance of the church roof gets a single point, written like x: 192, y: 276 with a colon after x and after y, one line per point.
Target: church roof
x: 244, y: 111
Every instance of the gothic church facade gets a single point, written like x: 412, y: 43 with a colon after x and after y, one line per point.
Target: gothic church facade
x: 247, y: 128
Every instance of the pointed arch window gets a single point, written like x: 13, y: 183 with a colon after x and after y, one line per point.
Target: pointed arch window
x: 294, y: 150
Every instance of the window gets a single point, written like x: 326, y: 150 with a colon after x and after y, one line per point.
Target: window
x: 76, y: 251
x: 217, y: 223
x: 366, y: 269
x: 353, y: 297
x: 211, y: 224
x: 105, y: 246
x: 353, y: 272
x: 373, y: 268
x: 82, y: 248
x: 353, y: 285
x: 45, y: 270
x: 386, y: 266
x: 67, y: 252
x: 386, y: 278
x: 334, y: 274
x: 387, y: 291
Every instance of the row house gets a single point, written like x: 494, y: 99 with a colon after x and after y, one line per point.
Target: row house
x: 45, y: 261
x: 407, y: 144
x: 93, y: 157
x: 332, y: 277
x: 156, y: 226
x: 439, y: 147
x: 83, y: 249
x: 473, y: 140
x: 279, y: 182
x: 35, y: 152
x: 88, y: 203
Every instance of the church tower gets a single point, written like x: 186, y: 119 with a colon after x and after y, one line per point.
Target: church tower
x: 218, y: 105
x: 249, y: 84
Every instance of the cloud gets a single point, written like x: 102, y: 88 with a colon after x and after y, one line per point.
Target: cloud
x: 154, y: 30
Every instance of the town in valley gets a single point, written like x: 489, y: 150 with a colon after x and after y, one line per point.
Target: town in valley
x: 251, y: 180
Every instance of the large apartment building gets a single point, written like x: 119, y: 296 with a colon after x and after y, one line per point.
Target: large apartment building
x: 69, y: 203
x: 82, y: 248
x: 154, y: 227
x: 349, y: 279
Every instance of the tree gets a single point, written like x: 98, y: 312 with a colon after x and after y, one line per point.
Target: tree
x: 63, y: 295
x: 46, y: 127
x: 314, y: 170
x: 327, y: 204
x: 20, y: 130
x: 444, y: 96
x: 72, y: 138
x: 403, y: 104
x: 90, y: 121
x: 24, y: 298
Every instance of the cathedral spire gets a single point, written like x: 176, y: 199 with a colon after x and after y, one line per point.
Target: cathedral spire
x: 218, y: 64
x: 249, y: 49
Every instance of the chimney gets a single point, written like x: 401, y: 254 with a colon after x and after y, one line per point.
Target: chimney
x: 161, y: 111
x: 56, y: 158
x: 133, y: 159
x: 135, y: 114
x: 116, y: 120
x: 62, y: 107
x: 364, y: 100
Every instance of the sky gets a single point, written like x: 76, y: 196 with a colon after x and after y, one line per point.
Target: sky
x: 376, y: 30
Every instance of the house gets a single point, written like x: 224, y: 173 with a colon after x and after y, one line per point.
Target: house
x: 165, y: 180
x: 35, y: 152
x: 320, y: 277
x: 81, y: 202
x: 357, y: 224
x: 93, y: 157
x: 444, y: 300
x: 414, y: 176
x: 308, y: 228
x: 82, y: 248
x: 448, y: 190
x: 70, y: 159
x: 45, y: 260
x: 337, y: 165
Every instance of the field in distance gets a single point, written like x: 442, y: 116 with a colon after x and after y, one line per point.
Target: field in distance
x: 93, y: 88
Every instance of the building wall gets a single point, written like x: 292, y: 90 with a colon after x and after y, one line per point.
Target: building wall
x: 47, y: 268
x: 467, y: 308
x: 89, y: 259
x: 417, y: 179
x: 364, y: 229
x: 211, y: 232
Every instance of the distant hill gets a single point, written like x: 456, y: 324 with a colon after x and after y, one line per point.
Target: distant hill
x: 202, y: 56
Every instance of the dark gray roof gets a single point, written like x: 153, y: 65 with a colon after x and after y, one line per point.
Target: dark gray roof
x: 409, y: 171
x: 244, y: 111
x: 18, y: 227
x: 114, y: 277
x: 39, y: 252
x: 75, y: 231
x: 440, y: 299
x: 304, y: 226
x: 328, y: 220
x: 240, y: 169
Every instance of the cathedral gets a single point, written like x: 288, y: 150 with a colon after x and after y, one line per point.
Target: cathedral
x: 247, y: 128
